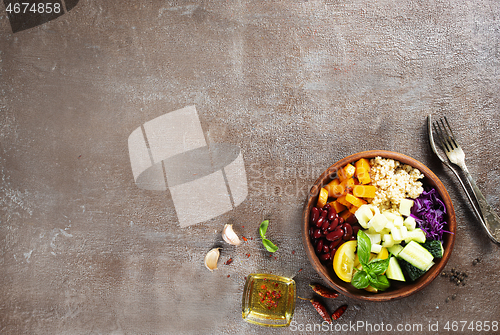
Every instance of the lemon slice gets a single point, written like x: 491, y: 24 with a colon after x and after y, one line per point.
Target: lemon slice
x: 343, y: 261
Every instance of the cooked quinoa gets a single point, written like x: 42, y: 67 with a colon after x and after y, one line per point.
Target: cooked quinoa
x: 394, y: 181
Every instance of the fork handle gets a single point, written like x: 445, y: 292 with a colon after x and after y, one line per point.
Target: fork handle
x: 491, y: 219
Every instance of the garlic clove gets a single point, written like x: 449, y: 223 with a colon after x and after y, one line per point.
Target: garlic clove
x: 211, y: 259
x: 229, y: 235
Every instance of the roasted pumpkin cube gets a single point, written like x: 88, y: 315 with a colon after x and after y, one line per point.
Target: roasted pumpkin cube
x: 364, y: 191
x: 342, y: 200
x: 337, y: 206
x: 353, y: 209
x: 334, y: 188
x: 346, y: 215
x: 355, y: 201
x: 346, y: 172
x: 347, y: 184
x: 363, y: 171
x: 323, y: 198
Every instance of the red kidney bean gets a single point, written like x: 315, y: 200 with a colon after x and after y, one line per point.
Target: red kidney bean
x: 317, y: 233
x: 325, y: 225
x: 325, y: 257
x: 355, y: 230
x: 352, y: 220
x: 341, y: 220
x: 347, y: 232
x: 342, y: 230
x: 314, y: 215
x: 334, y: 244
x: 353, y: 238
x: 327, y: 207
x: 319, y: 246
x: 326, y: 248
x: 311, y: 231
x: 335, y: 235
x: 332, y: 253
x: 320, y: 221
x: 322, y: 218
x: 332, y: 214
x: 333, y: 224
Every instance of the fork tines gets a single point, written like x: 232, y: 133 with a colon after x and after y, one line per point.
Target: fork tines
x: 445, y: 134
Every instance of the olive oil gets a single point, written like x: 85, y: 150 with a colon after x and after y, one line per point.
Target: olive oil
x: 268, y: 300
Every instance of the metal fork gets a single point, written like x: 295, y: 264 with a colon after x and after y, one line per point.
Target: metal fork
x: 489, y: 219
x: 445, y: 162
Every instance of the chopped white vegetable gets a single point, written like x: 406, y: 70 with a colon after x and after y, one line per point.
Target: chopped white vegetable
x: 388, y: 240
x: 374, y: 238
x: 405, y: 207
x: 364, y: 214
x: 398, y: 222
x: 378, y: 222
x: 410, y: 223
x: 376, y: 248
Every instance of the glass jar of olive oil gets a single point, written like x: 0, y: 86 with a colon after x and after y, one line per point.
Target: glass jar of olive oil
x: 268, y: 300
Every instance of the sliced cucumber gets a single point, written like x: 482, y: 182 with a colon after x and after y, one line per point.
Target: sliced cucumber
x: 395, y: 249
x: 412, y: 272
x: 416, y: 255
x: 435, y: 248
x: 394, y: 270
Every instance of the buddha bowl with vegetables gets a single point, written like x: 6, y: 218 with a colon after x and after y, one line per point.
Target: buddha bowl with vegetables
x: 378, y: 225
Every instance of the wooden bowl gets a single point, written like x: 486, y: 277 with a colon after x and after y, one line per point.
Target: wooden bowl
x: 398, y: 289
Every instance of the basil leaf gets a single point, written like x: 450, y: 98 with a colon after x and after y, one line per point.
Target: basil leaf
x: 263, y: 228
x: 369, y: 272
x: 378, y: 266
x: 269, y: 245
x: 364, y: 248
x: 360, y: 280
x: 379, y: 282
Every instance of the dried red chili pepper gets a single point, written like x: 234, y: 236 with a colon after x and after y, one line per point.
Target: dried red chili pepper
x: 323, y: 291
x: 321, y: 309
x: 338, y: 313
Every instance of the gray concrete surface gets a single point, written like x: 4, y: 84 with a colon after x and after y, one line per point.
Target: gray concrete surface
x: 295, y: 84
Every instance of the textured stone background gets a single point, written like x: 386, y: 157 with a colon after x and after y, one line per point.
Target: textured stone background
x: 295, y: 84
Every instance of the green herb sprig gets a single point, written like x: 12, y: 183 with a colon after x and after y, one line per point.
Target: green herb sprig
x: 267, y: 244
x: 372, y: 273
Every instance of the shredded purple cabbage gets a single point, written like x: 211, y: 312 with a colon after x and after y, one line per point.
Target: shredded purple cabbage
x: 429, y: 212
